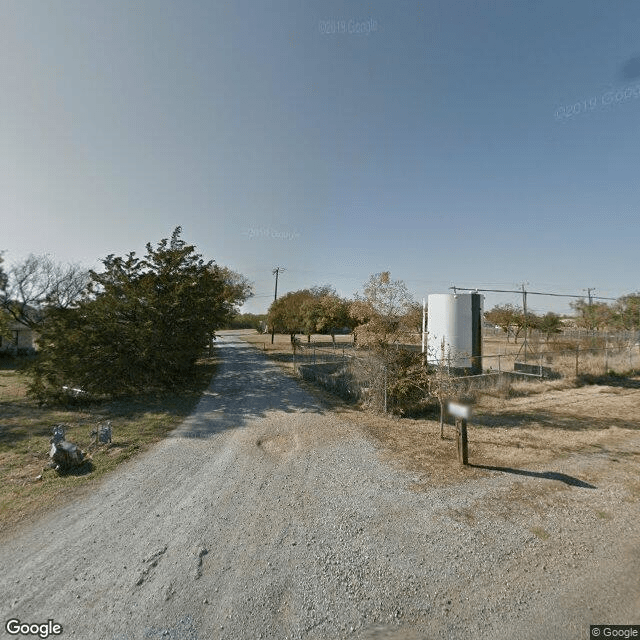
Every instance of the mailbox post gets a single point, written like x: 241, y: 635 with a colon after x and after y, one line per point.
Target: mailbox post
x: 461, y: 413
x: 461, y: 438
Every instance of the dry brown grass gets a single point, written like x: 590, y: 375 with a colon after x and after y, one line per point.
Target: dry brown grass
x: 518, y: 426
x: 282, y: 342
x: 559, y: 354
x: 26, y: 427
x: 517, y: 433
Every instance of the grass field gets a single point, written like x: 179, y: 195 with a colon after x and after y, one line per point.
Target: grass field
x: 26, y: 427
x: 569, y: 357
x: 523, y: 423
x: 557, y: 354
x: 518, y: 424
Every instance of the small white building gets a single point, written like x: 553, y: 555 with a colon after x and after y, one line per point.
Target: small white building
x: 20, y: 339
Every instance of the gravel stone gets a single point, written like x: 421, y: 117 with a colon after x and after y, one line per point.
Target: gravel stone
x: 268, y: 515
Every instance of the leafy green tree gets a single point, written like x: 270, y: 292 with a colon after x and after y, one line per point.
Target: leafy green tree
x: 508, y: 317
x: 4, y: 316
x: 594, y: 316
x: 247, y: 321
x: 530, y: 322
x: 142, y: 323
x: 3, y: 275
x: 549, y: 324
x: 289, y: 313
x: 626, y: 311
x: 308, y: 311
x: 314, y: 309
x: 332, y: 315
x: 236, y: 289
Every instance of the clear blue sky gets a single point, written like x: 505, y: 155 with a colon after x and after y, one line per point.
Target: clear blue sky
x: 444, y: 141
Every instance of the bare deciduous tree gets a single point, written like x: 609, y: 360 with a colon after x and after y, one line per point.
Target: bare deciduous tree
x: 4, y: 318
x: 381, y: 312
x: 38, y: 282
x: 442, y: 385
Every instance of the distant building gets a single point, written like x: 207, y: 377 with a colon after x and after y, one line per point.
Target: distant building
x: 569, y: 323
x: 20, y: 338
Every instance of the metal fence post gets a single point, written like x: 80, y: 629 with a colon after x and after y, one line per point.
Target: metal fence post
x: 577, y: 355
x: 540, y: 366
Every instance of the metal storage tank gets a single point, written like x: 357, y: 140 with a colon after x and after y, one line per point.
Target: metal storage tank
x: 456, y: 317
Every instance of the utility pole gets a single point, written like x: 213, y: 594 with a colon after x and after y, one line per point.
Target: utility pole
x: 590, y: 312
x: 424, y: 323
x: 526, y: 322
x: 589, y: 290
x: 275, y: 272
x: 524, y: 309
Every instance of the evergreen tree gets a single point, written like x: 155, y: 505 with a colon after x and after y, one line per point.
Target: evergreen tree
x: 142, y: 323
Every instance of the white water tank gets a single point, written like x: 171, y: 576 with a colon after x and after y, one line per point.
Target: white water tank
x: 456, y: 318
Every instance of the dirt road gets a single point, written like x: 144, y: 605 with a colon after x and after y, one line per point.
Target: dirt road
x: 266, y: 515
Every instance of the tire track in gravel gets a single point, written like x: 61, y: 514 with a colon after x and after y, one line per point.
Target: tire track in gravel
x: 265, y: 515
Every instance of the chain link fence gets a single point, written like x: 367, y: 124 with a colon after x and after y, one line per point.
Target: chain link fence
x: 576, y: 361
x: 361, y: 375
x: 330, y: 365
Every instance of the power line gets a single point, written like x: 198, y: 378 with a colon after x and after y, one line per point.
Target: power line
x: 524, y: 293
x: 534, y: 293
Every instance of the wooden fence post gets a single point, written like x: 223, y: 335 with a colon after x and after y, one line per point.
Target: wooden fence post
x: 462, y: 442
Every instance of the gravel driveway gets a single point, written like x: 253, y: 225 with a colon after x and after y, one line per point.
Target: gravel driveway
x: 267, y: 515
